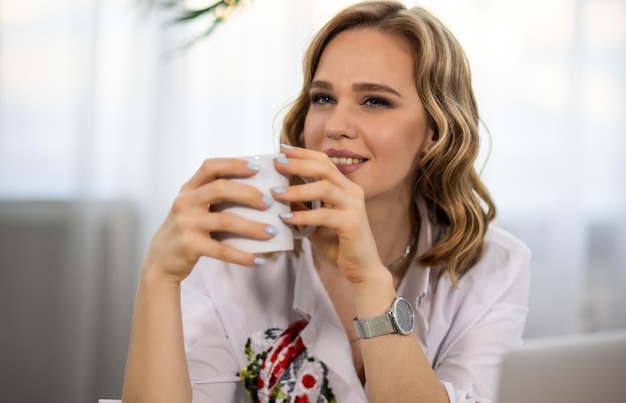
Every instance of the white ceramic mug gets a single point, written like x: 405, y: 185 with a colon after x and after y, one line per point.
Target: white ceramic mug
x: 264, y: 180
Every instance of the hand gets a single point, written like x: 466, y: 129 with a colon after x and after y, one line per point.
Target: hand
x: 343, y: 235
x: 185, y: 235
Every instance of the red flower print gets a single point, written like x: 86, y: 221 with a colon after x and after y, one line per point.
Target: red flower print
x: 280, y: 369
x: 308, y: 381
x: 301, y: 399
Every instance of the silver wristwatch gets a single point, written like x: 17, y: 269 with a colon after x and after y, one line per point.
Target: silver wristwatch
x: 399, y: 319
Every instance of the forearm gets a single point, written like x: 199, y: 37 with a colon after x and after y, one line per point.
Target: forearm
x: 396, y: 368
x: 156, y: 369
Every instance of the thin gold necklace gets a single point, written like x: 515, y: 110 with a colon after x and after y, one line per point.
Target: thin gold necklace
x: 407, y: 252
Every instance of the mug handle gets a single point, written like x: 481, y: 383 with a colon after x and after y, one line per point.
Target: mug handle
x: 309, y: 229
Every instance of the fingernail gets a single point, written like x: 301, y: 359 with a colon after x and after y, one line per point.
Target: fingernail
x: 282, y: 159
x: 268, y: 201
x: 286, y: 146
x: 252, y: 166
x: 259, y: 261
x: 279, y: 190
x: 271, y: 230
x: 285, y: 215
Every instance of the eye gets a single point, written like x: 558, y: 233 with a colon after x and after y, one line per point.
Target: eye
x: 376, y: 102
x: 321, y: 99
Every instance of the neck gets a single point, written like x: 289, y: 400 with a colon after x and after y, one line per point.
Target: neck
x: 393, y: 228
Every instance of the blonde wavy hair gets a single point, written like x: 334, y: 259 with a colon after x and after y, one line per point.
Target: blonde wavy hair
x: 445, y: 176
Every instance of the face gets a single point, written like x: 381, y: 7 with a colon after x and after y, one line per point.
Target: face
x: 366, y: 114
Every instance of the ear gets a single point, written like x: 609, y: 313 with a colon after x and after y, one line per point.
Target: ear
x: 431, y: 137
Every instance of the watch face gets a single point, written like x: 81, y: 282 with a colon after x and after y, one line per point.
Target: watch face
x: 403, y: 314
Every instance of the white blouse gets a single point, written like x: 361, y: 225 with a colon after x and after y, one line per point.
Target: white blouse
x: 273, y: 329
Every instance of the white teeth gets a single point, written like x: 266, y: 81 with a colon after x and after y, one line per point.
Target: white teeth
x: 346, y: 161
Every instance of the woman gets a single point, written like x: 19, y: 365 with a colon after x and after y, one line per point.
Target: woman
x: 387, y: 124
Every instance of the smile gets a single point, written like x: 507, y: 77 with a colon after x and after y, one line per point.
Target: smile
x: 346, y: 161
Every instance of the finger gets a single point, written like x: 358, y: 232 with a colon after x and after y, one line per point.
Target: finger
x: 290, y: 165
x: 324, y: 191
x: 232, y: 223
x: 226, y: 253
x: 315, y: 169
x: 219, y: 191
x: 214, y: 168
x: 225, y: 190
x: 303, y: 153
x: 341, y: 221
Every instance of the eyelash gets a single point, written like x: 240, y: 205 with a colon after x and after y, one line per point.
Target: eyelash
x: 371, y: 102
x: 376, y: 102
x: 321, y: 99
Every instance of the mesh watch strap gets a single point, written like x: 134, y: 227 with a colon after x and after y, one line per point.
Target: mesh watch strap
x: 377, y: 326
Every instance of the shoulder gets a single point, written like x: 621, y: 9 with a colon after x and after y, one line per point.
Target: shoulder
x: 498, y: 284
x: 504, y: 263
x: 502, y: 246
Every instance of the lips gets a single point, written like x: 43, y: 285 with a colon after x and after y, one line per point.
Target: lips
x: 346, y: 160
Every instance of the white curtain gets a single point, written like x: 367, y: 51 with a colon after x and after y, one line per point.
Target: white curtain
x: 99, y: 103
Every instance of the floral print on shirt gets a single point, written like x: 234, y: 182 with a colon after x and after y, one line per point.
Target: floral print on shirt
x: 280, y: 369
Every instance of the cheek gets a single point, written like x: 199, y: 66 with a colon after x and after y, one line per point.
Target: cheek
x: 404, y: 141
x: 312, y: 131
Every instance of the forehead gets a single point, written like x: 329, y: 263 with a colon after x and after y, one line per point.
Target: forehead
x: 365, y: 54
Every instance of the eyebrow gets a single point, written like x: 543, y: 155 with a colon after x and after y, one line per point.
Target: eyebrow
x: 358, y: 87
x: 364, y: 87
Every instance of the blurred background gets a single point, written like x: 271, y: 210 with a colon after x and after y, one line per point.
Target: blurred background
x: 105, y: 112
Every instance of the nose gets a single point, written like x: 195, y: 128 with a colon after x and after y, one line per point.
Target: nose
x: 340, y: 124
